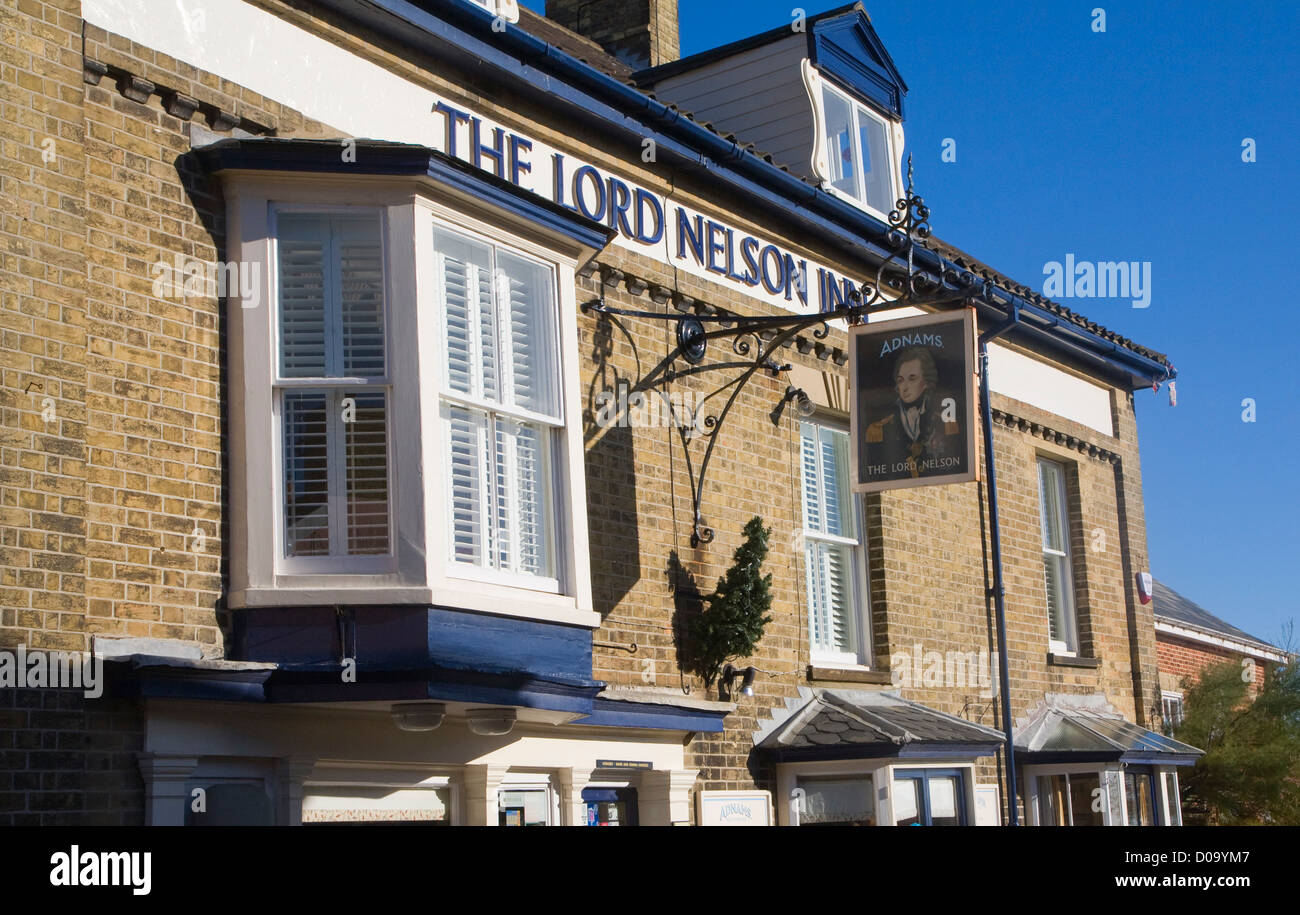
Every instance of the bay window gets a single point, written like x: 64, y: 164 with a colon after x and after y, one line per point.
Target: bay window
x: 834, y: 557
x: 403, y: 383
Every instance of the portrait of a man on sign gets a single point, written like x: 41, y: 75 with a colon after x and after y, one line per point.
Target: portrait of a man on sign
x: 913, y: 401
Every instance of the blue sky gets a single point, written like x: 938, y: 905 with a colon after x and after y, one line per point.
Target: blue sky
x: 1127, y: 145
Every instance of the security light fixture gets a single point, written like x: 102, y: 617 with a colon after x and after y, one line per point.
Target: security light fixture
x: 491, y: 722
x: 419, y: 716
x: 802, y: 402
x: 730, y: 673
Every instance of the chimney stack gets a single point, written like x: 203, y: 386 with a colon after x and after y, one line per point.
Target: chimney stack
x: 641, y: 33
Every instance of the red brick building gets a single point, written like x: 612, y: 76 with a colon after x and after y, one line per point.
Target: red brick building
x: 1189, y: 639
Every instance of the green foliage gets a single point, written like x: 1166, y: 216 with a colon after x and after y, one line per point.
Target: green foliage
x: 1250, y: 773
x: 734, y: 616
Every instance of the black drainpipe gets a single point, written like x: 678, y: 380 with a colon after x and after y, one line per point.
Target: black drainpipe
x: 997, y: 591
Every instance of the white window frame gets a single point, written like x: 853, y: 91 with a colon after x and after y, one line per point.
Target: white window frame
x: 1171, y: 801
x: 282, y: 385
x: 506, y: 9
x: 1168, y: 696
x: 860, y: 597
x: 539, y: 782
x: 449, y: 396
x: 1070, y: 621
x: 491, y: 590
x: 816, y: 86
x: 1105, y: 773
x: 418, y: 571
x: 881, y: 773
x: 1112, y: 776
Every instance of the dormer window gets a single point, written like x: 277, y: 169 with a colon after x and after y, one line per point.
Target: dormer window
x: 858, y: 160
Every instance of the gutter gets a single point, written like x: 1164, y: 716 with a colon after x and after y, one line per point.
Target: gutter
x: 553, y: 75
x: 1219, y: 640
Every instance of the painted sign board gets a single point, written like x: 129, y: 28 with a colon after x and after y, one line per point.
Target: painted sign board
x: 988, y: 806
x: 912, y: 401
x: 734, y: 808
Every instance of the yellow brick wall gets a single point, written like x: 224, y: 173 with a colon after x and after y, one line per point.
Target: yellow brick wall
x: 99, y: 505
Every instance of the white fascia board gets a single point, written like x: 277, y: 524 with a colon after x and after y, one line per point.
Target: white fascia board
x: 1254, y: 649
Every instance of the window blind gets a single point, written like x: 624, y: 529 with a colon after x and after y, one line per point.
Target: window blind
x: 331, y: 328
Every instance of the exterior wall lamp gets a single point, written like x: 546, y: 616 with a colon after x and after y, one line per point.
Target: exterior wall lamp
x: 729, y: 674
x: 419, y: 716
x: 491, y: 722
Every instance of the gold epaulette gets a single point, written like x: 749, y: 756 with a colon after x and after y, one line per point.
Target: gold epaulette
x: 876, y: 431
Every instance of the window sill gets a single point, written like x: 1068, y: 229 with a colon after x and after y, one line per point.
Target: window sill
x: 249, y: 598
x: 549, y: 608
x: 1067, y: 660
x: 822, y: 671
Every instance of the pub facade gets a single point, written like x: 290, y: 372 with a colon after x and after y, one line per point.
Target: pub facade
x: 388, y: 389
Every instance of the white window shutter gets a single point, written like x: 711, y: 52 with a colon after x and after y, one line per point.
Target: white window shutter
x: 840, y: 594
x: 366, y: 470
x: 830, y: 479
x: 361, y: 297
x: 528, y: 330
x: 466, y: 445
x: 306, y: 474
x: 502, y: 352
x: 811, y: 490
x: 303, y: 246
x: 332, y: 325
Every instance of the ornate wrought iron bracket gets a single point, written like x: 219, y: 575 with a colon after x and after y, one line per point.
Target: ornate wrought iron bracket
x: 755, y: 340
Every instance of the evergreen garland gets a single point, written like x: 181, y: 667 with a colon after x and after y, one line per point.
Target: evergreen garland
x: 732, y: 621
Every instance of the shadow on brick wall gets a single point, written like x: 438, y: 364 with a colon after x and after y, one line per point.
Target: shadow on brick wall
x: 204, y: 192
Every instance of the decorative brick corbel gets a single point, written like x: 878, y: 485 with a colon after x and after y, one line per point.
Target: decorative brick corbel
x: 221, y: 120
x: 136, y: 88
x: 180, y: 106
x: 92, y: 71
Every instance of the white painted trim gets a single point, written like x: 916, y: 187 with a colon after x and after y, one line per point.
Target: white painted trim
x: 1070, y: 646
x: 812, y: 82
x: 1030, y: 774
x: 1032, y: 381
x: 422, y: 572
x: 861, y: 657
x: 817, y: 87
x: 787, y: 775
x: 1183, y: 631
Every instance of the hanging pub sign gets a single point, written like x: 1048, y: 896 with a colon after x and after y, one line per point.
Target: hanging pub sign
x: 912, y: 403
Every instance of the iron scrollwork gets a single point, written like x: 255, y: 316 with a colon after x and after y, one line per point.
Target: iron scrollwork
x: 755, y: 340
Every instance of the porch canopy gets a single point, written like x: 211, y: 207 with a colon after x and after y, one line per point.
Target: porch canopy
x: 853, y: 724
x: 1067, y: 735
